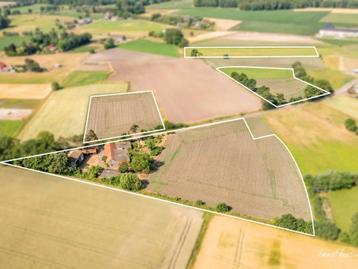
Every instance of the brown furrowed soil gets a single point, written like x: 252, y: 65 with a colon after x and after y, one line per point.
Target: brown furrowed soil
x: 50, y: 222
x: 114, y: 115
x: 222, y: 163
x: 187, y: 90
x: 231, y: 243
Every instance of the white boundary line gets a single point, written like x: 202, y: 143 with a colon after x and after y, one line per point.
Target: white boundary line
x: 84, y: 141
x: 277, y: 68
x: 316, y: 55
x: 176, y: 203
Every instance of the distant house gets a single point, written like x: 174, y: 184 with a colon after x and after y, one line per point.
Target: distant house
x: 83, y: 21
x: 5, y: 68
x: 330, y: 31
x: 76, y: 157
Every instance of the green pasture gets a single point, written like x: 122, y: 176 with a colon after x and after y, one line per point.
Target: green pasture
x: 347, y: 20
x: 335, y: 77
x: 175, y: 4
x: 80, y: 78
x: 151, y: 47
x: 7, y: 40
x: 10, y: 127
x: 344, y: 204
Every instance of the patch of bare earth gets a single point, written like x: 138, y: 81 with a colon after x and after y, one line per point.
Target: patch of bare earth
x: 187, y: 90
x: 231, y: 243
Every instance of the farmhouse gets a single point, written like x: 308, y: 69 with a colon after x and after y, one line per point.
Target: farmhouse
x: 331, y: 31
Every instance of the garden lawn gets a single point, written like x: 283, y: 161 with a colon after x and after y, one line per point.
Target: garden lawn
x: 80, y: 78
x: 10, y: 127
x: 151, y: 47
x: 279, y: 21
x: 344, y: 204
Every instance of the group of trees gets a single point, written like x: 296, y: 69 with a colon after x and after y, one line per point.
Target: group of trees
x: 275, y: 4
x: 183, y: 21
x: 175, y: 36
x: 290, y: 222
x: 333, y: 181
x: 351, y: 125
x: 45, y: 42
x: 264, y: 91
x: 311, y: 91
x: 4, y: 22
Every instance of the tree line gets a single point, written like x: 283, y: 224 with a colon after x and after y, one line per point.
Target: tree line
x: 275, y: 4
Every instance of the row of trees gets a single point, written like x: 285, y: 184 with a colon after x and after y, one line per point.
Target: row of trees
x: 275, y: 4
x: 47, y: 42
x: 290, y: 222
x: 183, y: 21
x: 264, y: 91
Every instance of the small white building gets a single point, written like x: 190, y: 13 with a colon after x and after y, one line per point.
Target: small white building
x: 84, y: 21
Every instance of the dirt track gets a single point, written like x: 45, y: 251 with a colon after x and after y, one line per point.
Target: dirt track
x: 187, y: 90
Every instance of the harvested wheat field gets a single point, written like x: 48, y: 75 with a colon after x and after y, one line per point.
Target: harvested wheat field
x: 64, y: 112
x: 50, y: 222
x: 114, y: 115
x: 24, y: 91
x: 222, y: 163
x: 231, y: 243
x: 187, y: 90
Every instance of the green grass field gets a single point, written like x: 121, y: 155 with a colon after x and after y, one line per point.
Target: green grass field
x: 151, y: 47
x: 49, y: 222
x: 344, y: 204
x: 316, y: 136
x: 81, y: 78
x: 176, y: 4
x: 123, y: 26
x: 10, y: 127
x: 280, y: 21
x: 7, y: 40
x: 67, y: 108
x: 335, y: 77
x: 251, y: 52
x: 348, y: 20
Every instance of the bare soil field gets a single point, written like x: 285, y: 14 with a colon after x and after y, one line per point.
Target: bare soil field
x: 186, y: 90
x: 14, y: 113
x: 24, y: 91
x: 114, y: 115
x: 50, y: 222
x: 222, y: 163
x: 231, y: 243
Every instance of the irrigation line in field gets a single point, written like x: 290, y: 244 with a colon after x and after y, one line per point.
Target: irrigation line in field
x: 84, y: 141
x: 315, y: 55
x: 171, y: 202
x: 325, y: 92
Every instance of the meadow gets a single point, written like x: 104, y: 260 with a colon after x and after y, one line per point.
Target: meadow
x: 344, y: 204
x: 344, y: 20
x: 281, y: 21
x: 316, y: 135
x: 130, y: 27
x: 7, y: 40
x: 148, y: 46
x: 335, y: 77
x: 221, y: 163
x: 10, y: 127
x: 81, y: 78
x: 56, y: 223
x: 67, y: 108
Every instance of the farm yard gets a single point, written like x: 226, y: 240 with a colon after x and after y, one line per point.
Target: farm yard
x: 67, y: 108
x: 115, y: 115
x: 221, y: 163
x: 174, y: 82
x: 243, y: 52
x: 280, y: 81
x: 230, y: 243
x: 51, y: 222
